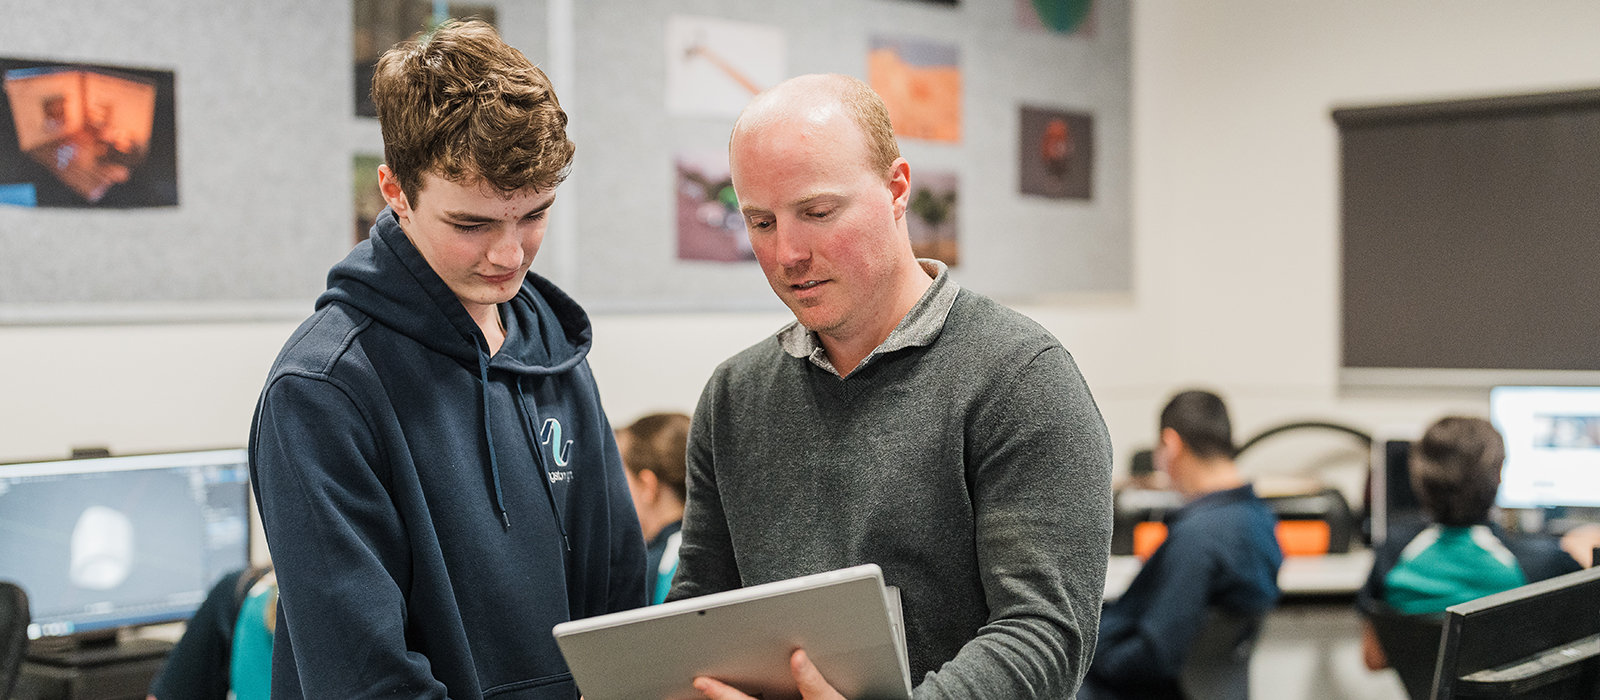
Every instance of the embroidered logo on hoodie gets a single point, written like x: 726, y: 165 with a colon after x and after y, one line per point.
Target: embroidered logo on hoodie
x: 550, y: 434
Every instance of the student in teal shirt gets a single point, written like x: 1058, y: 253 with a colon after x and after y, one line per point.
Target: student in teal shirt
x: 251, y: 665
x: 653, y: 450
x: 226, y: 649
x: 1458, y: 554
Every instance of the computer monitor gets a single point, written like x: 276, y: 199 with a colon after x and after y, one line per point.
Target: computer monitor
x: 1392, y: 503
x: 1552, y: 436
x: 1541, y: 640
x: 99, y: 544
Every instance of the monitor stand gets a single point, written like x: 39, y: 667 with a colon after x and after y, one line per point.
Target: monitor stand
x: 96, y: 666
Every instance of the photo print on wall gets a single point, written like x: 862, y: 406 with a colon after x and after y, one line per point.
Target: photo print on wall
x: 714, y: 66
x: 78, y: 135
x: 366, y: 198
x: 920, y: 82
x: 709, y: 224
x: 933, y: 220
x: 1056, y: 153
x: 380, y: 24
x: 1074, y: 17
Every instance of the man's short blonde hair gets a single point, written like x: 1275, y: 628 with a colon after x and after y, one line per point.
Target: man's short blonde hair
x: 461, y: 103
x: 872, y: 117
x: 860, y: 102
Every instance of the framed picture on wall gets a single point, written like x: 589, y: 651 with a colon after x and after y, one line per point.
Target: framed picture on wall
x: 709, y: 224
x: 79, y: 135
x: 933, y: 222
x: 920, y: 83
x: 378, y: 25
x: 1056, y: 153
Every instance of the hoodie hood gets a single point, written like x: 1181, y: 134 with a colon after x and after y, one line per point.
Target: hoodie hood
x: 546, y: 331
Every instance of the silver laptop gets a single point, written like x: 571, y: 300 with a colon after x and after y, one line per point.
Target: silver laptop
x: 848, y: 622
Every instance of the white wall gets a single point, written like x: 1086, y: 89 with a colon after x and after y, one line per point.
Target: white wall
x: 1235, y: 229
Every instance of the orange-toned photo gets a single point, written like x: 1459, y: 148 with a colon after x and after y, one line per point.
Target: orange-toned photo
x: 920, y: 83
x: 82, y: 132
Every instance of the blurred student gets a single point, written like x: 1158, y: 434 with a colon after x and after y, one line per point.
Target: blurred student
x: 653, y: 452
x: 1457, y: 555
x: 1221, y: 551
x: 226, y: 649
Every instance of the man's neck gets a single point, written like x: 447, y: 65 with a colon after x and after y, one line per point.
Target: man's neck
x: 1213, y: 476
x: 847, y: 350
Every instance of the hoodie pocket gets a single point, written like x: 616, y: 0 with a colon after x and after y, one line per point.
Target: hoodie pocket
x: 546, y: 688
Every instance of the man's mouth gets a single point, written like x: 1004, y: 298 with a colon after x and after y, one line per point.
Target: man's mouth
x: 807, y: 285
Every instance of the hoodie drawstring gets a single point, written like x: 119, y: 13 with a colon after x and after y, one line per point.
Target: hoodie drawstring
x: 544, y: 467
x: 488, y: 436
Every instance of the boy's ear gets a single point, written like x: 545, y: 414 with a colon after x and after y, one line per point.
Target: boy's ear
x: 393, y: 194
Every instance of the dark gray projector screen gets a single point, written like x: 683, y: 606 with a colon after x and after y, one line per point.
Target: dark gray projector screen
x: 1472, y: 234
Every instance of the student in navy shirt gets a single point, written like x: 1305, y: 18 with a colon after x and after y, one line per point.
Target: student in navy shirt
x: 1221, y: 551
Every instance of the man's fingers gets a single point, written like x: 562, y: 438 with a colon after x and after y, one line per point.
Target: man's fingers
x: 808, y: 678
x: 717, y: 690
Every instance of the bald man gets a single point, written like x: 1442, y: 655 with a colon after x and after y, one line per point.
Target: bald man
x: 900, y: 420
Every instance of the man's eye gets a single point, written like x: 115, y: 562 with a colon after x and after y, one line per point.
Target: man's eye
x: 820, y: 213
x: 760, y: 225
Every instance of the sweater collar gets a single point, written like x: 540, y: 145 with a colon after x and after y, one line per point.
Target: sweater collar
x: 920, y: 327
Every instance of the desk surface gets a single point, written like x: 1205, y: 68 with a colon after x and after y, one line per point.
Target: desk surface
x: 1325, y: 574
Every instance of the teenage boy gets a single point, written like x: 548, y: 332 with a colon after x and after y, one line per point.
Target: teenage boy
x: 437, y: 480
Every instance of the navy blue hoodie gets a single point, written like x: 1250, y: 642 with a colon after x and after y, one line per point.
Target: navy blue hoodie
x: 433, y: 510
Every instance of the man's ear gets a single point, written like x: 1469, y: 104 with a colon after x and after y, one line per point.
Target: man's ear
x: 1172, y: 442
x: 900, y: 186
x: 393, y: 194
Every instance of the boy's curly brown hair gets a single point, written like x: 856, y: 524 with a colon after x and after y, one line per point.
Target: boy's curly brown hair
x: 461, y: 103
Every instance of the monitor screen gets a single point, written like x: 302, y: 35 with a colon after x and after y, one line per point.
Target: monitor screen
x: 116, y: 541
x: 1552, y: 439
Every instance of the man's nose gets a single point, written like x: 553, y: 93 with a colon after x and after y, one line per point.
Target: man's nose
x: 793, y: 246
x: 506, y: 251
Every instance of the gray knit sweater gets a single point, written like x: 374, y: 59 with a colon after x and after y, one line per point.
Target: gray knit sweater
x: 971, y: 464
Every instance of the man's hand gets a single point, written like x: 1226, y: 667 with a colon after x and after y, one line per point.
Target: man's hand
x: 806, y: 676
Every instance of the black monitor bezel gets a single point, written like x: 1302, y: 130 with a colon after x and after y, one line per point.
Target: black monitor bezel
x: 1526, y: 621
